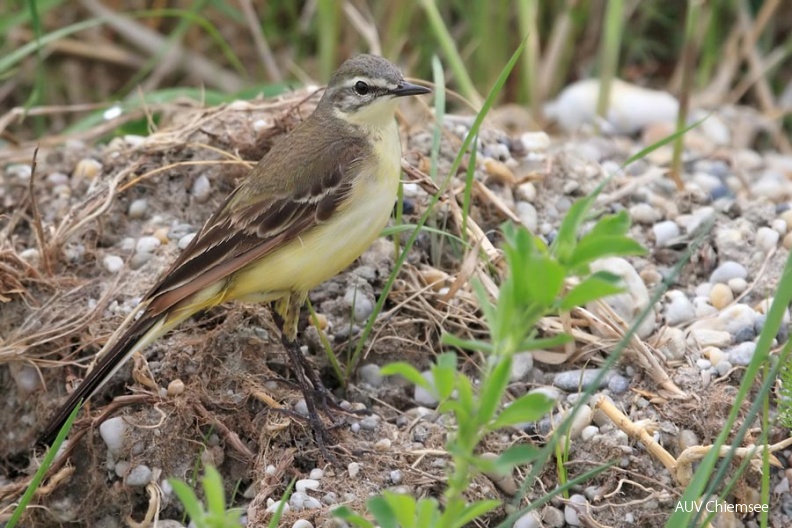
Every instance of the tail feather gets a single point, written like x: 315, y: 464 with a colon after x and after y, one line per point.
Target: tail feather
x: 143, y: 331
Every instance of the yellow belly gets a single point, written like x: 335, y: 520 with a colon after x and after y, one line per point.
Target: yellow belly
x: 327, y: 249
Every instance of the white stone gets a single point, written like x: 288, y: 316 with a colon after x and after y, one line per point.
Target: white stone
x: 643, y: 213
x: 422, y: 396
x: 147, y: 244
x: 201, y: 188
x: 630, y: 304
x: 727, y: 271
x: 767, y: 239
x: 304, y: 485
x: 738, y: 285
x: 353, y: 469
x: 522, y: 363
x: 665, y: 232
x: 113, y: 263
x: 112, y: 432
x: 679, y: 310
x: 535, y: 141
x: 527, y: 192
x: 528, y: 216
x: 138, y: 208
x: 779, y: 225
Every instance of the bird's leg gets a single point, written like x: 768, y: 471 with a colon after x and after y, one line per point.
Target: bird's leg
x: 286, y: 315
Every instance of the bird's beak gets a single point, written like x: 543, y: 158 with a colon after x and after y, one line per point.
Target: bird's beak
x: 406, y: 88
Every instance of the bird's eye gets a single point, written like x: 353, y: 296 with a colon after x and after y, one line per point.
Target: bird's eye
x: 361, y: 88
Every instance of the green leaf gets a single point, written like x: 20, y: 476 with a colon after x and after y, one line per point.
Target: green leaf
x: 213, y: 490
x: 518, y: 455
x: 526, y: 408
x: 382, y: 512
x: 607, y: 246
x: 343, y: 512
x: 593, y: 288
x: 402, y: 506
x: 611, y: 225
x: 188, y: 498
x: 428, y: 512
x: 492, y: 389
x: 474, y: 511
x: 545, y: 343
x: 465, y: 344
x: 409, y: 373
x: 444, y: 373
x: 565, y: 240
x: 546, y: 281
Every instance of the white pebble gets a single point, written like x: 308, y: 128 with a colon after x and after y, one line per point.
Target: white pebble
x: 302, y: 523
x: 26, y: 377
x: 679, y: 310
x: 528, y: 216
x: 272, y: 508
x: 396, y: 476
x: 147, y: 244
x: 533, y: 141
x: 112, y: 432
x: 304, y: 485
x: 113, y: 263
x: 137, y: 209
x: 139, y: 476
x: 353, y: 469
x: 185, y: 240
x: 316, y: 474
x: 727, y: 271
x: 527, y: 192
x: 588, y: 432
x: 270, y: 470
x: 767, y: 239
x: 738, y: 285
x: 779, y: 225
x: 201, y: 188
x: 665, y: 232
x: 311, y: 503
x: 643, y: 213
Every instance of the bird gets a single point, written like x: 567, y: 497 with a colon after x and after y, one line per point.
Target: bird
x: 305, y: 211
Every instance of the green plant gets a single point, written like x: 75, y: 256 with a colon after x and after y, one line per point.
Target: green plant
x: 215, y: 515
x: 522, y: 302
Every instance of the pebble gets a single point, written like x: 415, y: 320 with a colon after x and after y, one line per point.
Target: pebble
x: 673, y: 344
x: 571, y: 510
x: 721, y: 296
x: 738, y: 285
x: 353, y: 469
x: 361, y: 305
x: 618, y: 384
x: 112, y: 432
x: 687, y: 438
x: 529, y: 520
x: 316, y: 474
x: 422, y: 396
x: 580, y: 421
x: 370, y: 374
x: 201, y: 188
x: 301, y: 407
x: 273, y: 506
x: 505, y: 483
x: 302, y: 523
x: 643, y: 213
x: 787, y: 242
x: 185, y: 240
x: 572, y: 380
x: 138, y: 260
x: 780, y: 226
x: 714, y: 354
x: 630, y: 304
x: 330, y: 498
x: 396, y: 476
x: 727, y: 271
x: 175, y: 387
x: 704, y: 337
x: 736, y: 317
x: 767, y: 239
x: 526, y: 191
x: 553, y: 517
x: 147, y: 244
x: 522, y: 363
x: 742, y: 354
x: 588, y: 432
x: 679, y: 310
x: 137, y: 209
x: 86, y: 168
x: 138, y: 476
x: 113, y: 263
x: 303, y: 485
x: 723, y: 368
x: 26, y: 377
x: 533, y: 141
x: 665, y: 232
x: 528, y: 216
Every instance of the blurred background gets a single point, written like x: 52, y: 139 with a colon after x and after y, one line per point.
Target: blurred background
x: 99, y: 51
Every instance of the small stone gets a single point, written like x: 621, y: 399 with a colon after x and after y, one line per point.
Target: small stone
x: 138, y: 260
x: 382, y: 445
x: 727, y: 271
x: 643, y: 213
x: 422, y: 396
x: 618, y: 384
x: 721, y: 296
x: 687, y: 438
x: 680, y: 310
x: 175, y: 387
x: 370, y: 374
x: 571, y: 380
x: 630, y: 304
x: 30, y: 255
x: 272, y: 508
x: 665, y: 233
x: 361, y: 306
x: 553, y: 517
x: 580, y: 420
x: 505, y: 483
x: 528, y: 216
x: 161, y: 234
x: 529, y: 520
x: 787, y: 242
x: 499, y: 171
x: 522, y: 363
x: 703, y: 364
x: 138, y: 476
x: 672, y: 343
x: 704, y: 337
x: 353, y: 469
x: 201, y: 188
x: 723, y: 368
x: 122, y: 468
x: 26, y: 377
x: 588, y: 432
x: 330, y: 498
x: 316, y: 474
x: 396, y: 476
x: 302, y: 523
x: 185, y: 240
x: 113, y: 263
x: 370, y: 423
x: 535, y: 141
x: 86, y: 168
x: 767, y: 239
x: 147, y: 244
x: 736, y: 317
x: 112, y: 432
x: 714, y: 354
x: 303, y: 485
x: 138, y: 208
x: 301, y: 408
x: 780, y: 226
x: 576, y: 502
x: 526, y: 191
x: 738, y: 285
x: 742, y: 354
x: 746, y: 333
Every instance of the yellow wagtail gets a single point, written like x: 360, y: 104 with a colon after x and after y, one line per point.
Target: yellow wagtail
x: 308, y: 209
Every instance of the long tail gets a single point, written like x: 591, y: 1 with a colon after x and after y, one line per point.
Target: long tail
x: 141, y: 333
